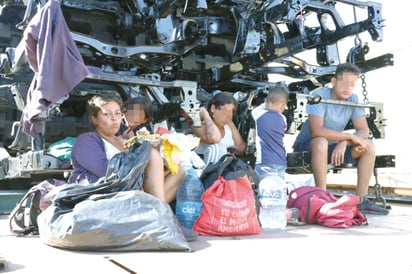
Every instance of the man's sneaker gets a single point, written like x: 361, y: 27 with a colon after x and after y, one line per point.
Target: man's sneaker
x: 367, y: 207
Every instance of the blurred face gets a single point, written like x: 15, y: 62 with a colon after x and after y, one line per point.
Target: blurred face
x: 343, y: 85
x: 222, y: 115
x: 108, y: 119
x: 135, y: 116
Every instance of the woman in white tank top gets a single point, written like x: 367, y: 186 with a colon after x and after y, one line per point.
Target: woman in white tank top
x: 218, y: 133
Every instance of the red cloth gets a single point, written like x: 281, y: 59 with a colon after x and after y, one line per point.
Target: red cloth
x: 341, y: 214
x: 162, y: 130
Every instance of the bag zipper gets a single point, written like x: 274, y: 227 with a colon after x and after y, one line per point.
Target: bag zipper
x: 308, y: 210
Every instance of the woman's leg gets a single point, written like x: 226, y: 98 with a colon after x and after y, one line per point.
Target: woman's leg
x: 172, y: 182
x: 154, y: 180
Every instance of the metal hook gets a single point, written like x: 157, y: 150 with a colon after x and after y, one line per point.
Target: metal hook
x: 357, y: 38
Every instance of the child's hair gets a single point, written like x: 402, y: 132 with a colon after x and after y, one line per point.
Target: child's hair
x: 144, y: 104
x: 277, y: 94
x: 347, y: 67
x: 96, y: 103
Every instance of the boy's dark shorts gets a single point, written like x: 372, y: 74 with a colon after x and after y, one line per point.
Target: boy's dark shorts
x: 348, y: 160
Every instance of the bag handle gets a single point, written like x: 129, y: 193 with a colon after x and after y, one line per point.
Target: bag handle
x: 226, y: 160
x: 20, y: 208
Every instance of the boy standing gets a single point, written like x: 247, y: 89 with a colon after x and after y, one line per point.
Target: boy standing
x: 270, y: 131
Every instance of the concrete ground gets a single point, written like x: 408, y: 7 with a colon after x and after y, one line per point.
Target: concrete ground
x: 382, y: 246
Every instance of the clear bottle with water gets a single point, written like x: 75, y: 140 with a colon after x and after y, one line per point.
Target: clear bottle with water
x: 273, y: 199
x: 188, y: 199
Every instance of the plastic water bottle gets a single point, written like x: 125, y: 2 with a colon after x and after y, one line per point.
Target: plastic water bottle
x: 292, y: 214
x: 294, y: 185
x: 273, y: 199
x: 188, y: 199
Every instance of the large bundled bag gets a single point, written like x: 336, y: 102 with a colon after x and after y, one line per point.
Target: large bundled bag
x: 318, y: 206
x: 111, y: 214
x: 122, y: 221
x: 228, y: 209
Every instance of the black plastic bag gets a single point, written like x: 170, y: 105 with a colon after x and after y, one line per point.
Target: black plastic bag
x: 231, y: 168
x: 125, y: 171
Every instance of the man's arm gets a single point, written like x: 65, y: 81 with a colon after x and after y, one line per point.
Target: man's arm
x: 208, y: 132
x: 318, y: 130
x: 361, y: 127
x: 361, y: 135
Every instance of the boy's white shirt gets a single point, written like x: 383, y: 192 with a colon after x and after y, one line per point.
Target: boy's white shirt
x: 258, y: 111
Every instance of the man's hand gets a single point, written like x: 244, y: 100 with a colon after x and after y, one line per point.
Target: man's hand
x: 359, y: 149
x: 359, y: 144
x: 338, y: 154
